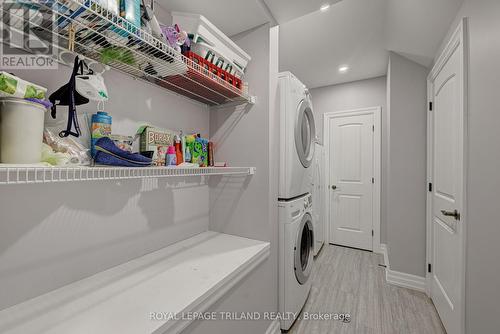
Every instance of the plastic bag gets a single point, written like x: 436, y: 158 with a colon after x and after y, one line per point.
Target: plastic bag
x: 76, y: 150
x: 12, y: 86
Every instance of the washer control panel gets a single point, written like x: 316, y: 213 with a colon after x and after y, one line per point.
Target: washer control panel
x: 308, y: 202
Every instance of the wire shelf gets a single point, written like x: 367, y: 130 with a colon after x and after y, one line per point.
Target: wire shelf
x: 105, y: 37
x: 40, y: 174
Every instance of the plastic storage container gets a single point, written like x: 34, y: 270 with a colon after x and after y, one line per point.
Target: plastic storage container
x: 21, y: 131
x: 101, y: 127
x: 204, y: 31
x: 206, y: 52
x: 212, y: 68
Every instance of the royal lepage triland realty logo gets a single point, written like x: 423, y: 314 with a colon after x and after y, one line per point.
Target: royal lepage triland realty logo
x: 28, y: 35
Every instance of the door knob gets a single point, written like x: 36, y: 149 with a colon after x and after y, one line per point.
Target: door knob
x: 455, y: 214
x: 334, y: 187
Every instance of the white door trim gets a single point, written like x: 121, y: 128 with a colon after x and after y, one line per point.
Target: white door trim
x: 458, y: 39
x: 377, y: 160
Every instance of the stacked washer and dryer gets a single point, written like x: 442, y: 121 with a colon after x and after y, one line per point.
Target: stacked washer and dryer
x: 296, y: 228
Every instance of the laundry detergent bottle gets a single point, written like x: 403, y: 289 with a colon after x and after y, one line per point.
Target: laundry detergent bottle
x: 101, y: 127
x: 171, y: 158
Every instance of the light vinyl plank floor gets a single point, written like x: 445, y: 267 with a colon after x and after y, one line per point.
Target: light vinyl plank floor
x: 351, y: 281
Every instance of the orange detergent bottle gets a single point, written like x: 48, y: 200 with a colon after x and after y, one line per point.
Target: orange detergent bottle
x: 178, y: 150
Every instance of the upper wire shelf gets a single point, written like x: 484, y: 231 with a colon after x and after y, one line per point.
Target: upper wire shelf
x: 10, y: 174
x: 107, y: 38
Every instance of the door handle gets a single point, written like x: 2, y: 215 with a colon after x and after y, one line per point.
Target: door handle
x: 334, y: 187
x: 455, y: 214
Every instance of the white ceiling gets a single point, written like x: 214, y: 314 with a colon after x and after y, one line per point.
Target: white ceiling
x: 350, y: 33
x: 416, y: 28
x: 230, y: 16
x: 286, y: 10
x: 235, y: 16
x: 358, y: 33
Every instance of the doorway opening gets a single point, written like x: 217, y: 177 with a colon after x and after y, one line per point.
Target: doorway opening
x: 353, y: 177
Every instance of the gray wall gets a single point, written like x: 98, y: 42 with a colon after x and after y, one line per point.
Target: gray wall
x: 59, y: 234
x: 348, y: 96
x: 245, y: 206
x: 483, y: 227
x: 357, y: 95
x: 55, y: 234
x: 406, y: 196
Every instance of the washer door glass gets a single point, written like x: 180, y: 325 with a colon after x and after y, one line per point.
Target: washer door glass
x: 304, y: 250
x: 305, y: 133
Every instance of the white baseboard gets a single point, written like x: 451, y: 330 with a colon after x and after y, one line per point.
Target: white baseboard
x: 404, y: 280
x: 383, y: 251
x: 379, y: 249
x: 274, y: 328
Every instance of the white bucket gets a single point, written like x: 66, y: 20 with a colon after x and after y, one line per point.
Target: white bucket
x: 21, y: 131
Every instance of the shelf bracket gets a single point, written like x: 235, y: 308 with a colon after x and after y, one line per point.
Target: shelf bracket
x: 248, y: 103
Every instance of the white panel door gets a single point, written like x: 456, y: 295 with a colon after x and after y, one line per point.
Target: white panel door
x: 351, y: 188
x: 447, y: 147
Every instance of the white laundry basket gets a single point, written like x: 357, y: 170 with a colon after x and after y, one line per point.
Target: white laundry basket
x: 21, y: 131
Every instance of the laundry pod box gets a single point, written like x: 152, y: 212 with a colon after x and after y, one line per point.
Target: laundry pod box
x: 21, y: 131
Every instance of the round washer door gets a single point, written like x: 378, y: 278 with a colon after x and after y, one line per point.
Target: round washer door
x: 304, y: 246
x: 305, y: 133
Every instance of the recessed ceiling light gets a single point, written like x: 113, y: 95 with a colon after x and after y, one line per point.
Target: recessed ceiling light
x: 343, y: 69
x: 325, y: 7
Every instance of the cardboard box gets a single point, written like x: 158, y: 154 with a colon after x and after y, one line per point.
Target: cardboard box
x: 156, y: 140
x: 198, y: 147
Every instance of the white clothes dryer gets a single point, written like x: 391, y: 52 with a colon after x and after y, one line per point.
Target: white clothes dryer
x: 297, y: 138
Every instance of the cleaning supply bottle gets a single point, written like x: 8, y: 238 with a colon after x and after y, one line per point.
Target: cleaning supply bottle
x: 211, y: 160
x: 171, y: 159
x: 101, y: 127
x: 189, y: 143
x: 178, y: 150
x: 187, y: 157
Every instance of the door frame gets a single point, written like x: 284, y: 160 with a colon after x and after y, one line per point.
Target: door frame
x: 458, y: 39
x: 377, y: 167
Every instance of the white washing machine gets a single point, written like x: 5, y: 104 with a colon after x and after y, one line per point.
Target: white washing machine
x: 296, y: 248
x: 297, y: 137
